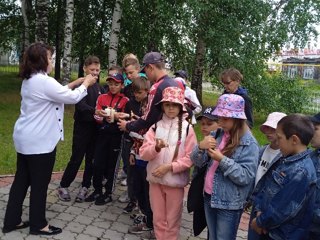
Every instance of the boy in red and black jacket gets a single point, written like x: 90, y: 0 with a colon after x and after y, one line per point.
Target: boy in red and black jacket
x: 109, y: 139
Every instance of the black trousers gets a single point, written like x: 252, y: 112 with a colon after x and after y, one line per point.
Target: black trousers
x: 141, y: 190
x: 125, y: 154
x: 105, y: 160
x: 35, y: 171
x: 83, y: 145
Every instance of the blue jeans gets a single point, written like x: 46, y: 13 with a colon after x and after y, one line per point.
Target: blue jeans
x: 222, y: 224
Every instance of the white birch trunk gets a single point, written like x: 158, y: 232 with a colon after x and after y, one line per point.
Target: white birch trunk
x: 26, y: 37
x: 114, y: 35
x: 66, y: 60
x: 42, y: 20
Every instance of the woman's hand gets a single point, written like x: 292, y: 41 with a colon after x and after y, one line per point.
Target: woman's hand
x: 160, y: 143
x: 215, y: 154
x: 162, y: 170
x: 89, y: 80
x: 207, y: 143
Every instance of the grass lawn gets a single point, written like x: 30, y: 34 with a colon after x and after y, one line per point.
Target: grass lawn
x: 9, y: 112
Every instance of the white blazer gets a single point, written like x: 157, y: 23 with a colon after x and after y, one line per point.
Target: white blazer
x: 40, y: 124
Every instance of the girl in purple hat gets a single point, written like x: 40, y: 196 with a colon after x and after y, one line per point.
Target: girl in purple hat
x: 167, y: 146
x: 231, y: 161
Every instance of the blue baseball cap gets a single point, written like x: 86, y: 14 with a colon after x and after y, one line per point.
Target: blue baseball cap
x: 117, y: 77
x: 181, y: 73
x: 316, y: 118
x: 151, y: 58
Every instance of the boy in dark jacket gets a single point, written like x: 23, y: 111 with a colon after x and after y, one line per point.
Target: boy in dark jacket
x: 85, y: 132
x: 284, y: 197
x: 315, y: 156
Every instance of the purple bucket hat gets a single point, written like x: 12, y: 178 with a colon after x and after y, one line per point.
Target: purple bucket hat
x: 230, y: 106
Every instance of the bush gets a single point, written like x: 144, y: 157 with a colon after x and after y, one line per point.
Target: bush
x: 279, y: 93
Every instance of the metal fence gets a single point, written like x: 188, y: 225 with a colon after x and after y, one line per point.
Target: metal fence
x: 314, y: 104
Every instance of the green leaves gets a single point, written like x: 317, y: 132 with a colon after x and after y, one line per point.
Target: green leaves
x: 277, y: 92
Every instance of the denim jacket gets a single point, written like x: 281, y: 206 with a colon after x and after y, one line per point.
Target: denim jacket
x: 285, y: 197
x: 234, y: 177
x: 315, y: 226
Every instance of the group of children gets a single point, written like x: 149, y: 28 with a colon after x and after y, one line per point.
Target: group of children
x: 279, y: 182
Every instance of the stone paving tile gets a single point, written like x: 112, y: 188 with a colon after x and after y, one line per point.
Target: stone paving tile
x: 94, y: 231
x: 76, y: 227
x: 86, y: 221
x: 85, y: 237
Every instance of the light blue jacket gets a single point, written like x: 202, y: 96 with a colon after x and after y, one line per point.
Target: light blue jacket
x: 235, y: 175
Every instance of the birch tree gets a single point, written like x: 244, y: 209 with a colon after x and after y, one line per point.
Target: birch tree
x: 42, y: 7
x: 25, y: 6
x: 115, y: 32
x: 66, y: 61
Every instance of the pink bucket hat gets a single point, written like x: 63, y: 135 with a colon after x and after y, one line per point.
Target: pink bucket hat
x: 272, y: 120
x: 173, y: 94
x: 231, y: 106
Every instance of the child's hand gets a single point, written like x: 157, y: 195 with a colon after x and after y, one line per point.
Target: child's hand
x: 160, y: 143
x: 207, y: 143
x: 121, y: 115
x: 132, y: 160
x: 215, y: 154
x: 122, y: 125
x: 101, y: 113
x: 162, y: 170
x: 255, y: 226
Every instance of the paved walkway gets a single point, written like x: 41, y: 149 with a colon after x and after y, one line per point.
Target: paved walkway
x: 86, y: 221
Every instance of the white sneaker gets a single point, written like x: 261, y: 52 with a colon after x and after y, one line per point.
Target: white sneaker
x: 124, y: 182
x: 124, y: 197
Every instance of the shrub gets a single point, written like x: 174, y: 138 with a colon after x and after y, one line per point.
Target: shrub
x: 271, y: 93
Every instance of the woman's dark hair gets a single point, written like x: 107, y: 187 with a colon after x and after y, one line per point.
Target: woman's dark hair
x: 35, y: 59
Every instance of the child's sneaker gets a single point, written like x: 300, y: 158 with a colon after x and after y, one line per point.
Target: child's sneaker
x: 129, y: 208
x: 124, y: 197
x: 83, y: 193
x: 63, y: 194
x: 139, y: 228
x: 148, y: 235
x: 139, y: 219
x: 103, y: 199
x: 93, y: 196
x: 124, y: 182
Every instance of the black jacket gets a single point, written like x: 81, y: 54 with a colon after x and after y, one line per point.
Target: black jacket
x: 85, y: 109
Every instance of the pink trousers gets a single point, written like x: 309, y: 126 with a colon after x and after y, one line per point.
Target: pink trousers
x: 167, y: 204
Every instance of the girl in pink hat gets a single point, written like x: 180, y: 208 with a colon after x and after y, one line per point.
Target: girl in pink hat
x: 167, y: 146
x: 231, y: 161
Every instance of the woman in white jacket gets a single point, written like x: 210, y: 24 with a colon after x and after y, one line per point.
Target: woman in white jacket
x: 36, y: 134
